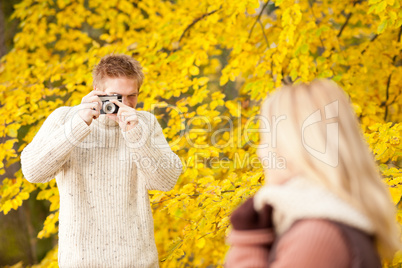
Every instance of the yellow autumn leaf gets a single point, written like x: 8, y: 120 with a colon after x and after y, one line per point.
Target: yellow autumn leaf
x: 194, y: 70
x: 396, y: 193
x: 200, y: 243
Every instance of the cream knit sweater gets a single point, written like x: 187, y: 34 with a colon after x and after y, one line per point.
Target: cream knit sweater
x: 103, y: 175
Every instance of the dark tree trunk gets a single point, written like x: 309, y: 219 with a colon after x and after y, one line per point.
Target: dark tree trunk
x: 3, y: 49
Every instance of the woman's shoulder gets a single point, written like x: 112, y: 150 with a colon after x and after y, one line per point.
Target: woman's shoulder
x: 313, y: 243
x: 326, y: 243
x: 317, y: 231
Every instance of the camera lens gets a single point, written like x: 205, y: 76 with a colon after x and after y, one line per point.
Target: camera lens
x: 109, y: 107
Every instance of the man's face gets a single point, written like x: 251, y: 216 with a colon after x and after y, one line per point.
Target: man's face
x: 126, y: 87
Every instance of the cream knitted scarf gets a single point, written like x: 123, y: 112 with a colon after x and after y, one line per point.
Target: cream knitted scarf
x: 301, y: 199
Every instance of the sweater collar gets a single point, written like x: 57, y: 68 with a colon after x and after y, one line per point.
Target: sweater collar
x: 301, y: 199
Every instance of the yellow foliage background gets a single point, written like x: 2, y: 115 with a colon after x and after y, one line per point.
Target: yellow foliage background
x: 205, y: 61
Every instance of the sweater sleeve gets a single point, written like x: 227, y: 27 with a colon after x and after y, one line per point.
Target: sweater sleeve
x: 44, y: 157
x: 312, y: 243
x: 154, y: 158
x: 251, y: 237
x: 249, y: 248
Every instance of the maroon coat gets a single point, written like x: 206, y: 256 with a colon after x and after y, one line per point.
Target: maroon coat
x: 307, y: 243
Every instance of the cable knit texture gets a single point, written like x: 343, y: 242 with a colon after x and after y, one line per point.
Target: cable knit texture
x: 103, y: 175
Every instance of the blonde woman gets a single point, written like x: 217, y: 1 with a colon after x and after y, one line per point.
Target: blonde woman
x: 328, y: 207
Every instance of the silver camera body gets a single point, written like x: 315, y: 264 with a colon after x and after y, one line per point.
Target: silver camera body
x: 109, y: 107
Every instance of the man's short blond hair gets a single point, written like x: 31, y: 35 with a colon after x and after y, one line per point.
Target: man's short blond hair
x: 117, y: 66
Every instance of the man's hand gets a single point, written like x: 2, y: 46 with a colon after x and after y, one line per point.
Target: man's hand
x: 126, y: 116
x: 90, y: 106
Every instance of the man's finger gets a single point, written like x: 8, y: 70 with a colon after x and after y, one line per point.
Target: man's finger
x: 94, y: 105
x: 86, y: 105
x: 95, y: 114
x: 130, y: 117
x: 118, y: 103
x: 97, y: 92
x: 94, y: 98
x: 90, y: 98
x: 123, y: 125
x: 119, y: 114
x: 90, y: 105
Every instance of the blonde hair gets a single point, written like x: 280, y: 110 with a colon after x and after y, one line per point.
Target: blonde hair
x: 319, y: 116
x: 116, y: 66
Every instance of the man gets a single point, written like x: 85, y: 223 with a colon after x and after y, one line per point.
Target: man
x: 104, y: 166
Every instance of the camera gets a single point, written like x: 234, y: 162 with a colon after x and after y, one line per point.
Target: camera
x: 109, y: 107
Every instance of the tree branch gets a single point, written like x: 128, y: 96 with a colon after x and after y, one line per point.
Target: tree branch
x: 263, y: 32
x: 389, y: 80
x: 317, y: 22
x: 371, y: 40
x: 347, y: 20
x: 344, y: 25
x: 258, y: 18
x: 194, y: 22
x: 386, y: 97
x: 3, y: 50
